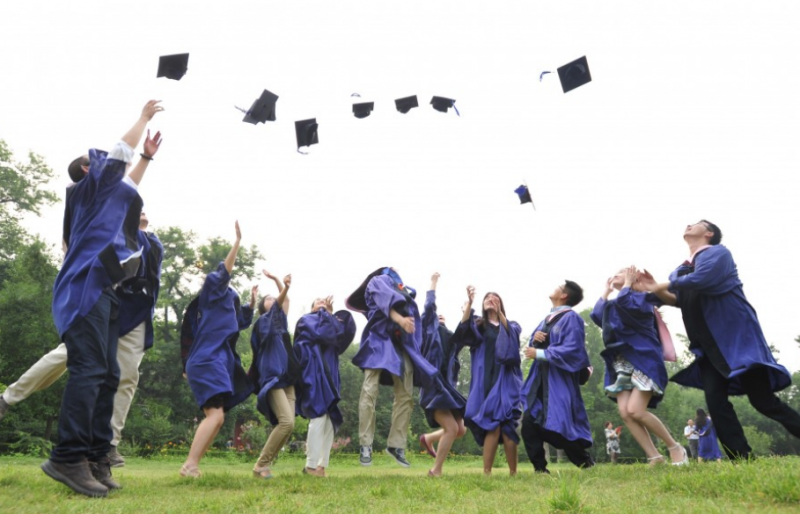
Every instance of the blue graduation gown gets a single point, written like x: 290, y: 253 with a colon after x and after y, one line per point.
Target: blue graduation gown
x: 319, y: 339
x: 138, y: 296
x: 495, y: 387
x: 101, y: 221
x: 213, y: 366
x: 629, y: 329
x: 720, y: 323
x: 552, y: 393
x: 707, y: 445
x: 272, y: 360
x: 377, y: 349
x: 439, y: 350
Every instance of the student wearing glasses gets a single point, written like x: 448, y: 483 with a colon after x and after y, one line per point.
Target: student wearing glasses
x: 732, y: 355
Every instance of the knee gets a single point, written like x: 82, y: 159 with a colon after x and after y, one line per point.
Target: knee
x: 637, y: 415
x: 462, y: 431
x: 286, y: 424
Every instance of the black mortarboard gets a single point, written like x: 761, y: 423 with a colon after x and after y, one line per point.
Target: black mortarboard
x: 442, y: 104
x: 406, y: 104
x: 306, y: 131
x: 362, y: 110
x: 262, y: 109
x: 574, y: 74
x: 173, y: 66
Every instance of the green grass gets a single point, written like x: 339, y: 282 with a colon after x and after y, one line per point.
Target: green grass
x: 767, y: 485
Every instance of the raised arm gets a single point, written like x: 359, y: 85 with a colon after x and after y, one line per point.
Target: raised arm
x: 134, y: 135
x: 230, y: 260
x: 660, y: 290
x: 468, y: 307
x: 151, y: 146
x: 282, y: 300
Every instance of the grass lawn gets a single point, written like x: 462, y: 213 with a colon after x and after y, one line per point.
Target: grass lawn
x: 767, y: 485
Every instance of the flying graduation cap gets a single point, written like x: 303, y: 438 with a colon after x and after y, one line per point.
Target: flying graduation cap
x: 406, y: 104
x: 524, y: 195
x: 442, y: 104
x: 173, y: 66
x: 306, y: 131
x: 262, y: 110
x: 363, y: 109
x: 574, y: 74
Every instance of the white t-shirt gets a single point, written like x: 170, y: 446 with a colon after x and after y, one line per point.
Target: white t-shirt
x: 690, y: 432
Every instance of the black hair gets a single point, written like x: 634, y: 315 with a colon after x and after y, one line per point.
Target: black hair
x: 608, y: 423
x: 702, y: 418
x: 75, y: 168
x: 261, y: 308
x: 574, y: 293
x: 484, y: 314
x: 717, y: 237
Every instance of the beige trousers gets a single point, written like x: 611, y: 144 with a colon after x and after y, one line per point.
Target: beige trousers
x: 319, y: 442
x: 401, y: 408
x: 49, y: 368
x: 281, y: 401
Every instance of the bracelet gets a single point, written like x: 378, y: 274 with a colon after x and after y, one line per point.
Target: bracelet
x: 146, y: 157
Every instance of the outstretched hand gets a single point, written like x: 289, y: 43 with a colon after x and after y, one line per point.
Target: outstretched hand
x: 253, y: 295
x: 151, y: 146
x: 238, y: 232
x: 470, y: 295
x: 647, y: 281
x: 150, y: 109
x: 329, y: 304
x: 287, y: 280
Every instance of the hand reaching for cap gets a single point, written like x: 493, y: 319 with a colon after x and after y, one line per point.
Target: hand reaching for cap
x: 150, y: 109
x: 238, y: 232
x: 151, y: 145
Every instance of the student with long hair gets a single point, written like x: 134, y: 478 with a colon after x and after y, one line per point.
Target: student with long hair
x: 708, y: 447
x: 213, y: 368
x: 494, y: 404
x: 320, y: 337
x: 442, y: 411
x: 636, y: 376
x: 274, y: 370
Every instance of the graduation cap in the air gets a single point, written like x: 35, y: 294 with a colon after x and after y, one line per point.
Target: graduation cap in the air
x: 442, y: 104
x: 524, y: 195
x: 173, y: 66
x: 406, y: 104
x: 574, y: 74
x: 262, y: 110
x: 363, y: 109
x: 306, y: 131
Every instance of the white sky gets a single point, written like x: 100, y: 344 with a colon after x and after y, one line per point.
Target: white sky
x: 691, y: 114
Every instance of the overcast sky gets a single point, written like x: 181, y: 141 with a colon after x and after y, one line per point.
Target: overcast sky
x: 692, y: 113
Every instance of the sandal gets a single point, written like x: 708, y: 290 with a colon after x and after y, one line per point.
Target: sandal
x: 654, y: 460
x: 685, y: 460
x: 191, y: 472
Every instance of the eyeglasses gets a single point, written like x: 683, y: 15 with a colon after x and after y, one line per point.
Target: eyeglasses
x: 563, y: 289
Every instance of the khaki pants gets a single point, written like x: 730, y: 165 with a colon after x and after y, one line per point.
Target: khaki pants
x: 49, y: 368
x: 401, y: 409
x: 319, y: 442
x: 281, y: 401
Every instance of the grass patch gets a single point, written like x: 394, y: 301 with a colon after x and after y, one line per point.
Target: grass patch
x: 153, y: 485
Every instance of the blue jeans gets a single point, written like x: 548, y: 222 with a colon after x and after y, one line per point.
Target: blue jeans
x: 84, y: 424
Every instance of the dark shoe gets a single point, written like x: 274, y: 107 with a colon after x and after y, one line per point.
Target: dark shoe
x: 366, y: 456
x: 76, y: 476
x: 399, y: 454
x: 541, y: 471
x: 101, y: 471
x: 3, y: 407
x: 117, y: 460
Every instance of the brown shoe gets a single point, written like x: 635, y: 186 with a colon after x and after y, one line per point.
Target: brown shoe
x: 117, y: 460
x: 101, y: 471
x: 76, y: 476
